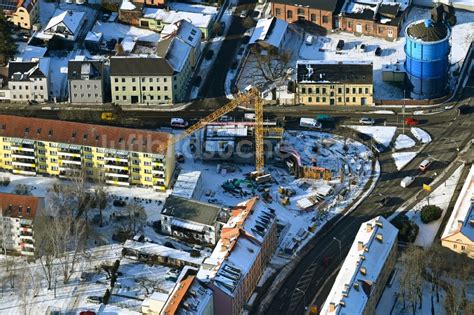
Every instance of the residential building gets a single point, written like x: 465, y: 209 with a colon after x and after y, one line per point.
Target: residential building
x: 65, y: 24
x: 152, y: 253
x: 192, y: 220
x: 365, y: 271
x: 24, y: 14
x: 322, y: 82
x: 187, y: 33
x: 159, y: 3
x: 17, y: 217
x: 459, y: 232
x: 188, y: 185
x: 34, y: 146
x: 323, y: 13
x: 247, y: 242
x: 86, y: 81
x: 380, y: 18
x: 270, y: 33
x: 150, y: 80
x: 28, y: 81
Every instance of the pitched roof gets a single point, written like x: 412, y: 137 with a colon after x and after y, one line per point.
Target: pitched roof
x: 326, y: 5
x: 190, y: 210
x: 320, y: 71
x: 71, y: 19
x: 15, y: 206
x: 33, y: 69
x: 84, y: 134
x: 92, y: 68
x: 270, y: 30
x: 132, y: 66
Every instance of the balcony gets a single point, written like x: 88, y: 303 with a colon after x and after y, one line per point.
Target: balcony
x: 117, y: 183
x: 23, y: 172
x: 158, y: 163
x: 26, y: 238
x: 28, y: 251
x: 23, y: 155
x: 73, y: 161
x: 116, y: 165
x: 69, y: 154
x: 23, y: 147
x: 24, y: 163
x: 159, y: 171
x: 122, y: 159
x: 121, y: 175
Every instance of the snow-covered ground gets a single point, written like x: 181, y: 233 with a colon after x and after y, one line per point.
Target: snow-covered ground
x: 421, y: 135
x: 381, y: 134
x: 404, y: 142
x: 440, y: 197
x: 403, y: 158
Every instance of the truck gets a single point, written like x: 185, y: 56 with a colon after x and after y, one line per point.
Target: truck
x: 310, y: 123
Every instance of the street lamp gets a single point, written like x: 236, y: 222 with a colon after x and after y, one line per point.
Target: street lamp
x: 339, y: 242
x: 304, y: 297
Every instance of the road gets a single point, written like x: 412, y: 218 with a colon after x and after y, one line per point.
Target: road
x: 310, y: 280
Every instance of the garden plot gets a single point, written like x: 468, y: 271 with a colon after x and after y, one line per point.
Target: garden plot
x: 404, y: 142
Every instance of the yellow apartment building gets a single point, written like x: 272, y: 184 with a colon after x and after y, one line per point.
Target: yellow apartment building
x: 125, y: 157
x: 321, y: 82
x: 25, y: 15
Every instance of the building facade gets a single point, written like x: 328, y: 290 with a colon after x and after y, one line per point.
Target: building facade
x: 458, y: 235
x: 26, y: 14
x: 191, y: 220
x: 365, y: 271
x: 28, y: 81
x: 319, y: 12
x: 123, y: 157
x: 331, y: 83
x: 17, y: 217
x: 152, y: 81
x: 86, y: 81
x: 240, y: 257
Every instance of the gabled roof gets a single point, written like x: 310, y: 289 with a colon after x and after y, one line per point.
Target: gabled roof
x: 28, y: 69
x: 270, y: 30
x: 77, y: 68
x: 185, y: 31
x: 16, y: 206
x: 71, y: 19
x: 326, y: 5
x: 134, y: 66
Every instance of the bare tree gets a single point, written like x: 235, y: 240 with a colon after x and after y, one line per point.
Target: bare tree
x: 135, y: 218
x: 455, y: 294
x: 9, y: 265
x: 44, y: 247
x: 23, y: 291
x: 100, y: 195
x: 150, y: 285
x: 411, y: 279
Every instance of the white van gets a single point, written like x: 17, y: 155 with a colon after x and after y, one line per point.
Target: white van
x: 309, y: 40
x: 310, y: 123
x: 407, y: 181
x: 179, y: 123
x: 249, y: 116
x: 425, y: 164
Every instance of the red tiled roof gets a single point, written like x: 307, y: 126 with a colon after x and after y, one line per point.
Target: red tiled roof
x: 84, y: 134
x: 11, y: 203
x: 177, y: 297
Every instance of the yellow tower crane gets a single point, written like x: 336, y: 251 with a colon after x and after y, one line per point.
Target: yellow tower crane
x: 253, y: 95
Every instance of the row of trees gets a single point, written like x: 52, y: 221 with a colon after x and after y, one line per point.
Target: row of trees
x: 443, y: 269
x: 7, y: 45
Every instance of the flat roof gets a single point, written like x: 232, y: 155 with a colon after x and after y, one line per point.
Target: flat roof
x: 190, y: 210
x: 317, y: 71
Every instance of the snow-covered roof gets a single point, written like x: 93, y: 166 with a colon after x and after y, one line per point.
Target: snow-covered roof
x: 185, y: 31
x: 226, y: 131
x: 71, y: 19
x: 127, y: 5
x: 193, y: 8
x: 178, y: 54
x: 239, y: 246
x: 162, y: 251
x: 32, y: 52
x: 462, y: 217
x: 119, y: 30
x: 93, y: 36
x: 171, y: 16
x: 271, y: 30
x: 361, y: 268
x: 128, y: 43
x: 186, y: 184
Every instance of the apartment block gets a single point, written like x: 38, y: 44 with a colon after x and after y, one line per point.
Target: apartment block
x: 86, y: 81
x: 458, y: 235
x: 33, y: 146
x: 247, y: 242
x: 365, y: 271
x: 28, y: 81
x: 17, y: 217
x: 321, y: 82
x: 136, y: 80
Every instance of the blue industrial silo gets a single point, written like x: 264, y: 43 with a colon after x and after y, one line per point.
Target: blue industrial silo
x: 427, y: 52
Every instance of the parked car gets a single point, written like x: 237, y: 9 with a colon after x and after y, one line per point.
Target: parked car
x: 367, y: 121
x: 407, y: 181
x: 385, y: 201
x: 310, y: 123
x: 378, y: 51
x: 179, y: 123
x: 362, y: 47
x: 465, y: 109
x: 340, y: 45
x: 411, y: 121
x: 209, y: 54
x: 425, y: 164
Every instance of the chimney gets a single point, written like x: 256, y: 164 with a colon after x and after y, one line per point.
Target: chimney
x: 460, y: 223
x: 379, y: 223
x: 356, y: 286
x: 379, y: 237
x: 360, y: 245
x: 363, y: 270
x: 369, y: 227
x: 332, y: 307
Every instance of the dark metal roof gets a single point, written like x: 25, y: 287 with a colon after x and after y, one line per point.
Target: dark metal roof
x: 327, y: 5
x: 134, y: 66
x: 355, y: 73
x: 389, y: 10
x: 427, y: 31
x: 190, y: 210
x: 8, y: 5
x: 75, y: 66
x: 23, y: 67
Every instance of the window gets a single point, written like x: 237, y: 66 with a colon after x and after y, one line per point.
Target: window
x: 325, y: 19
x: 303, y: 90
x: 354, y: 90
x: 88, y: 86
x: 124, y: 98
x: 318, y: 99
x: 366, y: 90
x: 354, y: 99
x: 310, y: 99
x: 151, y: 88
x: 455, y: 246
x: 116, y: 97
x: 324, y: 90
x: 289, y: 14
x: 310, y: 91
x: 317, y: 91
x: 123, y: 80
x: 349, y: 24
x: 144, y: 97
x: 300, y: 11
x: 133, y: 80
x: 151, y: 97
x: 313, y: 17
x: 166, y: 88
x: 324, y: 99
x: 360, y: 90
x: 123, y: 88
x: 347, y: 99
x: 150, y: 80
x: 134, y: 88
x: 277, y: 11
x: 339, y: 90
x: 390, y: 32
x: 143, y: 88
x: 339, y: 99
x: 116, y: 88
x: 381, y: 29
x: 463, y: 247
x: 116, y: 80
x: 165, y: 79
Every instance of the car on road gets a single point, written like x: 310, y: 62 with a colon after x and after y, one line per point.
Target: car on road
x: 94, y: 299
x: 310, y: 123
x: 410, y: 121
x: 367, y: 121
x: 179, y: 123
x: 385, y: 201
x: 209, y: 54
x: 425, y: 164
x: 407, y: 181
